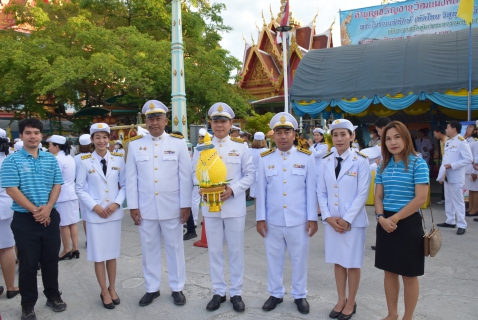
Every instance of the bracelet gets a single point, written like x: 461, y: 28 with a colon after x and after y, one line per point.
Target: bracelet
x: 379, y: 215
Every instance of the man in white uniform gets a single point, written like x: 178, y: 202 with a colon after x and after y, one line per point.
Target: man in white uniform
x: 286, y: 211
x: 229, y: 223
x: 424, y: 145
x: 457, y: 156
x: 159, y: 187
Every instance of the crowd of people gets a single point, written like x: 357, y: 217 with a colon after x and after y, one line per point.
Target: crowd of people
x: 294, y: 187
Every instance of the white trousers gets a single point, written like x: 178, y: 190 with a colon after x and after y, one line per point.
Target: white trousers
x: 195, y: 204
x: 455, y: 204
x: 296, y: 240
x: 232, y: 230
x: 172, y: 232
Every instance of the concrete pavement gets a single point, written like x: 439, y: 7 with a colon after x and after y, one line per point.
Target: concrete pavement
x: 448, y: 288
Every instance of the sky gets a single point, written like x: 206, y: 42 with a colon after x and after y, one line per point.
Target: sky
x: 242, y: 16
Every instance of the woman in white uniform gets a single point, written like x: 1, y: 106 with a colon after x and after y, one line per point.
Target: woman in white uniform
x: 7, y: 259
x: 99, y: 176
x: 342, y: 192
x: 471, y: 181
x: 258, y: 146
x: 67, y: 203
x: 318, y: 148
x: 119, y: 148
x: 85, y: 149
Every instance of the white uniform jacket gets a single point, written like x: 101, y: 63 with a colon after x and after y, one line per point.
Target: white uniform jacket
x: 318, y: 150
x: 286, y: 188
x: 68, y: 171
x: 422, y: 143
x: 94, y: 188
x: 345, y: 196
x: 158, y: 176
x: 473, y: 142
x: 240, y: 169
x: 5, y: 201
x: 458, y: 155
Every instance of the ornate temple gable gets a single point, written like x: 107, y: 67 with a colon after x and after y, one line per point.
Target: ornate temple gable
x: 260, y: 75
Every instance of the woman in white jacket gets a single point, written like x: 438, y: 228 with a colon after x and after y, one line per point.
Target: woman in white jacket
x: 342, y: 191
x: 100, y: 185
x: 7, y: 259
x: 67, y: 203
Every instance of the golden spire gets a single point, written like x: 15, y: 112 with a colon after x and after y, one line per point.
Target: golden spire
x: 257, y: 27
x: 315, y: 18
x: 332, y: 25
x: 252, y: 38
x: 270, y: 10
x: 244, y: 38
x: 263, y: 19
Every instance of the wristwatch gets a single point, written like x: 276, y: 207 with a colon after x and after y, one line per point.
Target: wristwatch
x: 379, y: 215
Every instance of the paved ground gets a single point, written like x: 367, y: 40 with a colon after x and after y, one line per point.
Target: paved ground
x: 448, y: 289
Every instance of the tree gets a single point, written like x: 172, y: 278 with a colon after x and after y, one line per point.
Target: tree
x: 84, y: 52
x: 259, y: 123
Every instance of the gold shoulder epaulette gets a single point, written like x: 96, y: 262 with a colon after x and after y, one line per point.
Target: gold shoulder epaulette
x: 270, y: 151
x: 136, y: 138
x: 461, y: 138
x: 328, y: 154
x: 87, y: 156
x: 361, y: 154
x: 239, y: 140
x: 117, y: 154
x: 304, y: 151
x: 177, y: 136
x: 476, y: 139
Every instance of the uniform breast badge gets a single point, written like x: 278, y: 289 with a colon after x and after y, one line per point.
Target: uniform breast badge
x: 211, y: 173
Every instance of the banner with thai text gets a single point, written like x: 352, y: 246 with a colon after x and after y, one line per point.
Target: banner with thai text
x: 401, y: 20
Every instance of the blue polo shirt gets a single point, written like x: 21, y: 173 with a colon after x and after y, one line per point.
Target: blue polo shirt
x: 399, y: 184
x: 33, y: 177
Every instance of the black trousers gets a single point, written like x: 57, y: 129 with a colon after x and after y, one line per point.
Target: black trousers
x: 190, y: 223
x: 37, y: 243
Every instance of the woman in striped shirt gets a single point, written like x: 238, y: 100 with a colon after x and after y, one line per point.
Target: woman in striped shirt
x: 401, y: 189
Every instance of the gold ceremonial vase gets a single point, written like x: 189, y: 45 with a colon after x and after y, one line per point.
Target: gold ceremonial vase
x: 213, y: 197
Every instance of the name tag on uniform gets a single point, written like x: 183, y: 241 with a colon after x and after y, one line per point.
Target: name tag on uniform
x: 115, y: 168
x: 299, y: 166
x: 169, y: 152
x: 350, y: 173
x: 233, y: 153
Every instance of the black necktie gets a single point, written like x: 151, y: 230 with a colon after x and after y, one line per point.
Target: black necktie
x: 337, y: 168
x: 315, y: 145
x: 103, y: 161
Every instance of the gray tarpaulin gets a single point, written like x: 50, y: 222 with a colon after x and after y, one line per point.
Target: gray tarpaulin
x: 427, y: 63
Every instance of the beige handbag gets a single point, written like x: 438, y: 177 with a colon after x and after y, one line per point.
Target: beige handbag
x: 432, y: 240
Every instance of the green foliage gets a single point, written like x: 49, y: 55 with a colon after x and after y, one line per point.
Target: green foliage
x: 256, y: 123
x: 83, y: 52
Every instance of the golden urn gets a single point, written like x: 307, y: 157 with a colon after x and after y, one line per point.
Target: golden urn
x: 211, y: 173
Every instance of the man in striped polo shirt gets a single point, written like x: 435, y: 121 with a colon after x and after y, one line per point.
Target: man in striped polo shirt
x: 32, y: 178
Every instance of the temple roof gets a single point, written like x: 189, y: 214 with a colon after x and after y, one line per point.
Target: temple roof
x: 263, y: 62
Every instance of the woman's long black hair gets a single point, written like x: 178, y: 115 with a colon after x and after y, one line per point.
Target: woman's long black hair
x: 4, y: 146
x: 64, y: 147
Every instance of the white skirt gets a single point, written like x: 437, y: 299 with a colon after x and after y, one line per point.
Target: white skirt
x: 104, y: 240
x: 69, y: 212
x: 345, y: 249
x: 470, y: 185
x: 6, y: 234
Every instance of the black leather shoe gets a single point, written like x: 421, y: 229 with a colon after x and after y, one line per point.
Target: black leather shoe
x: 110, y: 305
x: 66, y: 256
x: 215, y: 302
x: 335, y: 314
x: 28, y: 313
x: 475, y: 219
x: 1, y: 290
x: 179, y: 298
x: 189, y: 236
x: 115, y: 301
x: 374, y: 247
x: 446, y: 225
x: 237, y: 304
x: 302, y: 305
x: 347, y: 316
x: 460, y: 231
x: 148, y: 298
x: 12, y: 294
x: 271, y: 303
